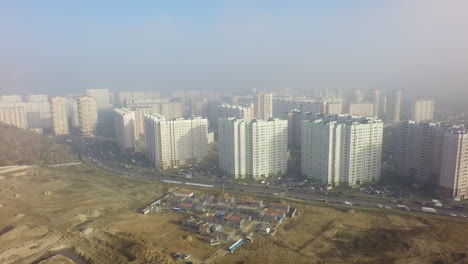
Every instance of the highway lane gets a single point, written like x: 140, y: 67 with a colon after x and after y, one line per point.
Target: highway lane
x: 273, y: 191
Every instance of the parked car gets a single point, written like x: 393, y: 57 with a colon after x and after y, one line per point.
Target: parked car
x: 175, y: 255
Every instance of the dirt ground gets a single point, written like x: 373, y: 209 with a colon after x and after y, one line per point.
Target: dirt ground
x: 323, y: 235
x: 90, y: 217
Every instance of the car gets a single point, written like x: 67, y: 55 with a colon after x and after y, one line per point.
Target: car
x: 175, y: 255
x: 387, y: 207
x: 185, y: 256
x: 453, y: 215
x: 379, y: 206
x: 462, y: 215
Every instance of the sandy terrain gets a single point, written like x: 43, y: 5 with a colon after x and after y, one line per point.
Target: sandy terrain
x: 94, y: 218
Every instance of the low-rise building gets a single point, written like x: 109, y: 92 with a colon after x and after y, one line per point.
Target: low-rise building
x: 281, y: 206
x: 225, y: 235
x: 183, y: 193
x: 235, y: 221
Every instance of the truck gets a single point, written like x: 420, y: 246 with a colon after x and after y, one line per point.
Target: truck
x: 428, y: 210
x: 438, y: 204
x: 403, y: 207
x: 348, y: 203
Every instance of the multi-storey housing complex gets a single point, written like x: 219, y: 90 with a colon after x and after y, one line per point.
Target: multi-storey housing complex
x: 13, y: 114
x: 102, y: 97
x: 453, y: 181
x: 256, y: 148
x: 125, y: 129
x: 420, y: 110
x: 342, y: 149
x: 239, y: 111
x: 121, y: 97
x: 59, y: 115
x: 284, y: 105
x: 87, y: 113
x: 177, y: 142
x: 393, y: 107
x: 378, y: 102
x: 419, y: 150
x: 360, y: 109
x: 263, y: 106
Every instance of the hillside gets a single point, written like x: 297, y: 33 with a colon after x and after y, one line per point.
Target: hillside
x: 23, y: 147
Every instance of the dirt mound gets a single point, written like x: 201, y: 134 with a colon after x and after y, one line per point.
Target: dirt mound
x: 24, y: 231
x: 57, y: 259
x: 381, y: 240
x: 80, y: 217
x: 94, y: 214
x: 123, y: 247
x: 87, y: 232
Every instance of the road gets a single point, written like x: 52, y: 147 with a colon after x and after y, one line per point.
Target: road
x: 273, y: 191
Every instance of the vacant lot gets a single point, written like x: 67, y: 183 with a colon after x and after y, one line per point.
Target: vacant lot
x: 323, y: 235
x: 92, y: 217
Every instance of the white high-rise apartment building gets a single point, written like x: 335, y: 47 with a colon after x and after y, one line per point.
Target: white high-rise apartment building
x: 175, y: 143
x: 13, y: 114
x: 195, y: 95
x: 419, y: 150
x: 87, y: 112
x: 295, y: 120
x: 102, y: 97
x: 37, y: 98
x: 393, y: 107
x: 342, y: 149
x: 169, y: 110
x: 11, y: 98
x: 73, y: 112
x: 239, y: 111
x: 59, y: 115
x: 38, y: 112
x: 199, y: 108
x: 132, y: 101
x: 263, y: 106
x: 453, y: 181
x: 140, y: 112
x: 422, y: 110
x: 378, y: 102
x: 361, y: 109
x: 358, y: 96
x: 123, y: 96
x: 329, y: 106
x: 256, y: 148
x: 283, y: 105
x: 125, y: 131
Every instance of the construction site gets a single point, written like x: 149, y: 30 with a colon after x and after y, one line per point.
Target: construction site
x: 76, y: 214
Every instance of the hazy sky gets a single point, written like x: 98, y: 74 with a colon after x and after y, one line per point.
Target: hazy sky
x: 68, y: 46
